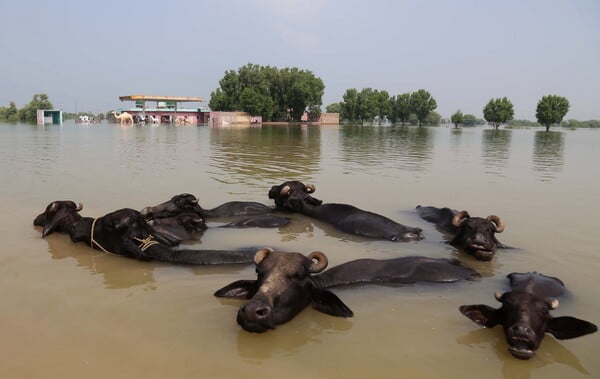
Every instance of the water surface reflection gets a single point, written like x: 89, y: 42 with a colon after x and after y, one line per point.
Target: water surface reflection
x: 495, y: 150
x: 273, y: 153
x: 548, y: 154
x: 402, y: 147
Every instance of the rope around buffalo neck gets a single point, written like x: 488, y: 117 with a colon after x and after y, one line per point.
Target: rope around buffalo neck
x: 144, y: 243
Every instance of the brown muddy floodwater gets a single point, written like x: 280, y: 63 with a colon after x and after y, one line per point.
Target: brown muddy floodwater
x: 70, y: 312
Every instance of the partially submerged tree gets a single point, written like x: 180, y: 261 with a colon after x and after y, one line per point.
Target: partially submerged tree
x: 498, y: 111
x: 421, y: 104
x: 457, y: 118
x: 551, y: 109
x: 270, y: 92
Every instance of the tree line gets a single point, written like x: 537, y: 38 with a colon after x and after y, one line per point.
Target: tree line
x: 29, y: 112
x: 275, y: 94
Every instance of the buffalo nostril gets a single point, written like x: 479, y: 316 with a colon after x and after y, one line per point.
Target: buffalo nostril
x: 262, y: 312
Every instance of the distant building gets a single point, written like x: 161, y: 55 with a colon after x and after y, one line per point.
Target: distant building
x: 49, y: 117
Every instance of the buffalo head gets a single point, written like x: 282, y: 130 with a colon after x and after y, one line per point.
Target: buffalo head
x: 282, y: 289
x: 476, y: 235
x: 292, y: 195
x: 525, y: 318
x: 183, y: 203
x: 59, y: 216
x: 183, y: 227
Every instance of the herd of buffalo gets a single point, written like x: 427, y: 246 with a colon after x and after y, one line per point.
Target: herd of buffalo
x: 288, y: 282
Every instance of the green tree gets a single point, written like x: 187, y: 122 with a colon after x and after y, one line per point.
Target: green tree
x: 334, y: 108
x: 421, y: 104
x: 498, y: 111
x: 433, y: 118
x: 551, y: 109
x: 401, y: 108
x: 457, y: 118
x: 29, y: 112
x: 10, y: 113
x: 350, y: 105
x: 270, y: 92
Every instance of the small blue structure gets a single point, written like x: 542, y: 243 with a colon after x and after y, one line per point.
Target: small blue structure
x: 49, y: 117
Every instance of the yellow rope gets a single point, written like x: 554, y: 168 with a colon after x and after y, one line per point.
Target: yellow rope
x: 144, y: 243
x: 93, y: 242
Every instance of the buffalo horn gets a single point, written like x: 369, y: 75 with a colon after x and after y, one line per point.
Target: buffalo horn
x: 195, y: 200
x: 319, y: 262
x: 498, y: 296
x: 261, y: 254
x: 457, y: 219
x: 310, y: 188
x: 79, y: 207
x: 53, y: 207
x: 552, y: 303
x: 285, y: 190
x: 498, y: 222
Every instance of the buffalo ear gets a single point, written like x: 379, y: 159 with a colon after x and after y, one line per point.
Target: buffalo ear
x: 567, y: 327
x: 241, y: 289
x: 481, y: 314
x: 327, y: 302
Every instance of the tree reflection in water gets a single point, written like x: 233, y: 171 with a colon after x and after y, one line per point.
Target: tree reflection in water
x: 403, y: 147
x: 495, y: 150
x: 548, y: 154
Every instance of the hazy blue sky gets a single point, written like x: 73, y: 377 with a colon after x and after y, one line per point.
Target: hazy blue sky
x: 463, y: 52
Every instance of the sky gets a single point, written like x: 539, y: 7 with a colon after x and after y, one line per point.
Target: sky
x: 85, y: 54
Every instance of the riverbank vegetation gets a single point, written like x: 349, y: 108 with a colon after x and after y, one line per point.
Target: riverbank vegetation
x: 286, y: 94
x: 275, y: 94
x: 29, y: 112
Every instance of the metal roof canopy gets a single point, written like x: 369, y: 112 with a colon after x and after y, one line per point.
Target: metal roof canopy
x: 180, y: 99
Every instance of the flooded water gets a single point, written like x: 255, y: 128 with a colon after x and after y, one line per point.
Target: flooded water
x: 71, y: 312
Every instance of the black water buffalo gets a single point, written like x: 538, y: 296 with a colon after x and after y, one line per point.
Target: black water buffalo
x: 183, y: 227
x: 474, y: 235
x: 285, y: 284
x: 525, y: 316
x: 187, y: 203
x: 59, y: 216
x: 295, y: 196
x: 125, y: 232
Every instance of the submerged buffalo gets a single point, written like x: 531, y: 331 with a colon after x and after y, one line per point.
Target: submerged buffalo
x: 245, y: 214
x: 525, y: 314
x: 285, y: 283
x: 474, y: 235
x: 59, y: 216
x: 183, y: 227
x: 295, y: 196
x: 187, y: 203
x: 125, y: 232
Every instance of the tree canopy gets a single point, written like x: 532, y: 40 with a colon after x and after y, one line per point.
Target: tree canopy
x: 372, y: 105
x: 275, y: 94
x: 421, y: 104
x: 29, y: 112
x: 551, y: 109
x: 498, y: 111
x: 457, y: 118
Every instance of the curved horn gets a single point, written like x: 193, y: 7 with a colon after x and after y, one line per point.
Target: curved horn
x: 457, y: 219
x: 195, y: 200
x: 310, y: 188
x: 285, y: 190
x: 319, y: 262
x: 53, y: 207
x: 498, y: 296
x: 498, y: 222
x: 261, y: 254
x: 552, y: 303
x: 79, y: 207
